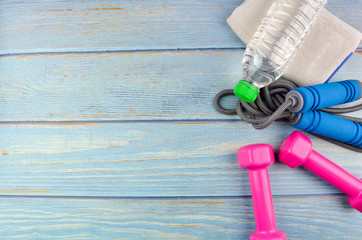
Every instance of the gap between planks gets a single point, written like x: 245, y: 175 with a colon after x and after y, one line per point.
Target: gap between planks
x: 121, y: 51
x: 164, y: 197
x: 358, y: 51
x: 94, y: 122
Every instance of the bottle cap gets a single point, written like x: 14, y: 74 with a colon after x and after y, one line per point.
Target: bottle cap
x: 246, y: 91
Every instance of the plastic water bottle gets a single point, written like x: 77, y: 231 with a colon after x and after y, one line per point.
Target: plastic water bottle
x: 275, y: 43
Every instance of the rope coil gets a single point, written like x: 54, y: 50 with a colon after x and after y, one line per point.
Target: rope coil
x: 271, y: 106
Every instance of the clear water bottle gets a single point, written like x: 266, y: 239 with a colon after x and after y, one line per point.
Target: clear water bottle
x: 275, y: 43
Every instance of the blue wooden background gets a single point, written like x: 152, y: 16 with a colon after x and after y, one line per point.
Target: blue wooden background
x: 107, y: 128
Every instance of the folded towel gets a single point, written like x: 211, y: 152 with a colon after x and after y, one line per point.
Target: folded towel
x: 328, y: 45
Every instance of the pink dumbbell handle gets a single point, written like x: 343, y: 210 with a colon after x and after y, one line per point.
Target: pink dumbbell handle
x: 333, y: 174
x: 262, y: 200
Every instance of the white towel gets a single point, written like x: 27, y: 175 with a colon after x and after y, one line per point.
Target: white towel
x: 329, y: 43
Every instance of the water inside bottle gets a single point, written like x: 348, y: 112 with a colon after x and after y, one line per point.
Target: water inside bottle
x: 276, y: 40
x: 258, y: 69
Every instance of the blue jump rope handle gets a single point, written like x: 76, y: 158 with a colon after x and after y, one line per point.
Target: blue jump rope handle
x: 329, y: 94
x: 331, y: 126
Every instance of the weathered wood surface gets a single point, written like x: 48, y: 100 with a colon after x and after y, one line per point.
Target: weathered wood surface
x: 58, y: 26
x: 108, y: 129
x: 123, y: 86
x: 149, y: 159
x: 322, y: 217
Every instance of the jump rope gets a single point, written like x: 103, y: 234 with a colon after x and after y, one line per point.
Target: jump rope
x: 307, y: 108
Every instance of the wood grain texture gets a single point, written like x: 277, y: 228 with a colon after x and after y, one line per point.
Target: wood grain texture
x: 149, y: 159
x: 320, y: 217
x: 99, y: 25
x: 123, y: 86
x: 131, y: 146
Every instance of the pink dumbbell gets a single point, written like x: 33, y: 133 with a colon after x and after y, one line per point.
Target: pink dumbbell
x: 297, y: 150
x: 256, y: 159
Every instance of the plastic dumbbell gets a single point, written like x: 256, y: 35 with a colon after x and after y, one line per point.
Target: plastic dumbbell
x: 296, y: 150
x: 256, y: 159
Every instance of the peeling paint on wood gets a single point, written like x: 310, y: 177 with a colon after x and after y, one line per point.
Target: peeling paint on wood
x: 164, y: 85
x: 55, y: 25
x: 204, y: 218
x: 150, y: 159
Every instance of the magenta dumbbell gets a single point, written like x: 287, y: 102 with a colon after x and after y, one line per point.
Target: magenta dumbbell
x: 297, y: 150
x: 256, y: 159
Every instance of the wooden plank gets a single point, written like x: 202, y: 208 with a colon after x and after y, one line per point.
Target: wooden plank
x: 58, y: 26
x: 148, y: 159
x: 123, y: 86
x: 322, y: 217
